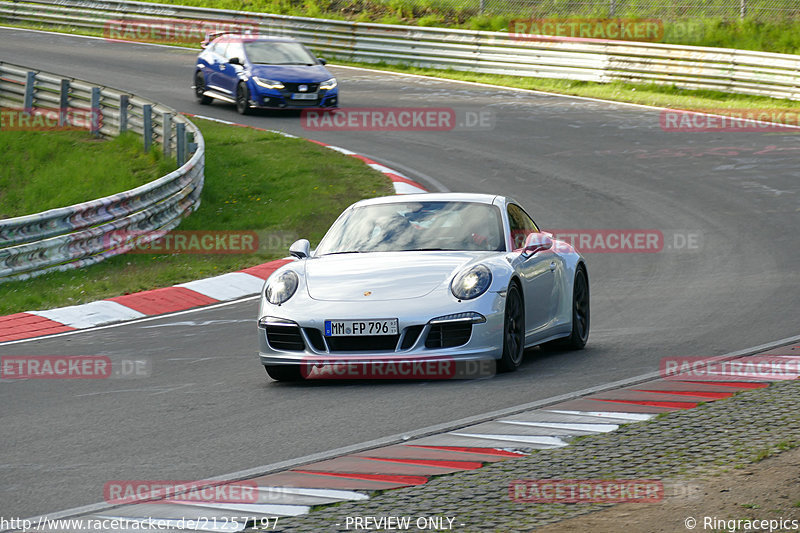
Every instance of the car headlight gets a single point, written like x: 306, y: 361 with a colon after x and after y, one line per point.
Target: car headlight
x: 281, y: 287
x: 268, y: 84
x: 327, y: 85
x: 471, y: 283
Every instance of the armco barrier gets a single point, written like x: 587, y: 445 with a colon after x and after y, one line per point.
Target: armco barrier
x: 736, y: 71
x: 83, y: 234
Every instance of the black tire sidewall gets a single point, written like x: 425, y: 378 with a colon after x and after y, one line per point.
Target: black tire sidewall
x: 507, y: 362
x: 575, y: 339
x: 245, y: 109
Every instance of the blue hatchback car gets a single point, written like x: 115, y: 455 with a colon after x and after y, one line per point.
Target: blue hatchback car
x: 254, y: 71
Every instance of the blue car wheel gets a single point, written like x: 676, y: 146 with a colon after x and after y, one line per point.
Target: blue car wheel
x: 199, y: 89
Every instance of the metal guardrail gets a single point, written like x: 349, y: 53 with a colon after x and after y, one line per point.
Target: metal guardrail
x: 736, y: 71
x: 87, y: 233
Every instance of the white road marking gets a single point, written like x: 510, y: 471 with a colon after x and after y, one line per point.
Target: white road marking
x: 91, y: 314
x: 227, y: 286
x: 528, y: 439
x: 603, y: 414
x: 200, y: 323
x: 269, y: 509
x: 592, y: 428
x: 320, y: 493
x: 138, y: 321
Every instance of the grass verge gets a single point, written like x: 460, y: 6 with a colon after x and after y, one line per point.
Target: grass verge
x: 254, y: 181
x: 62, y: 168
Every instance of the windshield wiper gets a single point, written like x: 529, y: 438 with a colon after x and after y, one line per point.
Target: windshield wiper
x: 347, y: 252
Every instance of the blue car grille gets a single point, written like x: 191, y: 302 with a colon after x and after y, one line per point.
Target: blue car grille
x: 293, y: 87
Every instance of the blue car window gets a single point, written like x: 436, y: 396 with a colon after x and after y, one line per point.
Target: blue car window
x: 278, y: 53
x: 235, y: 50
x: 219, y: 48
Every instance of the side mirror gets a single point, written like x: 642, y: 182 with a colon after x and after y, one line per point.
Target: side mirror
x: 322, y: 61
x: 235, y: 61
x: 537, y: 242
x: 300, y: 249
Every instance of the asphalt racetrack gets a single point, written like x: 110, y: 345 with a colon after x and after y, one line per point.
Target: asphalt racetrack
x: 209, y: 409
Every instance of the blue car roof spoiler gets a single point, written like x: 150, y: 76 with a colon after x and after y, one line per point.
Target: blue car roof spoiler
x: 211, y: 36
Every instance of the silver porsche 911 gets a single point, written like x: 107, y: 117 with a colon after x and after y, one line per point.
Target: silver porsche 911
x: 420, y: 277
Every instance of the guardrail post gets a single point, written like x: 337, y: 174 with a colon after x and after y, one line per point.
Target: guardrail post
x: 63, y: 103
x: 123, y: 113
x: 95, y: 114
x: 191, y: 146
x: 166, y: 133
x: 30, y: 82
x: 180, y: 135
x: 147, y: 117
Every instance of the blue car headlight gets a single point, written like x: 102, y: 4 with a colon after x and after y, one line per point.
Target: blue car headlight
x: 281, y: 287
x: 327, y: 85
x: 268, y: 84
x: 471, y: 283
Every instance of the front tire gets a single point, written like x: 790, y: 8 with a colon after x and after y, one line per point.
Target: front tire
x: 284, y: 372
x: 200, y: 88
x: 513, y: 330
x: 242, y: 99
x: 580, y: 311
x: 580, y: 315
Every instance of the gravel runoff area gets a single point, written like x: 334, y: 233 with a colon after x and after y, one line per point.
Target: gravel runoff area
x: 680, y: 448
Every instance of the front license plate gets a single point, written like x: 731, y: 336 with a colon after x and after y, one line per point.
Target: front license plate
x: 359, y: 328
x: 304, y: 96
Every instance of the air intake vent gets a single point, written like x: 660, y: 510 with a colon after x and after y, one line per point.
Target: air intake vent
x: 315, y: 337
x: 286, y: 338
x: 448, y: 335
x: 411, y: 336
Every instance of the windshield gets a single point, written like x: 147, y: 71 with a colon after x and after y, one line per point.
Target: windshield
x: 416, y: 226
x: 278, y: 53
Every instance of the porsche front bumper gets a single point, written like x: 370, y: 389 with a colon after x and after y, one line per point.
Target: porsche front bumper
x: 463, y: 331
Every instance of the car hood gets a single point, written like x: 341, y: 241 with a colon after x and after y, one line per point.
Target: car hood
x: 384, y: 275
x: 292, y: 73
